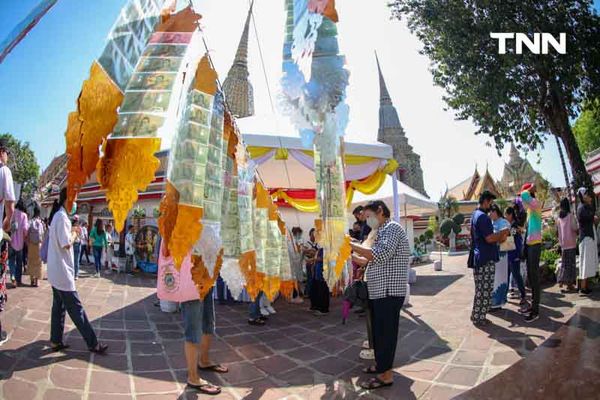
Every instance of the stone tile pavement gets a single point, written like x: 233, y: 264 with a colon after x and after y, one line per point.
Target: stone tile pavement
x: 296, y: 356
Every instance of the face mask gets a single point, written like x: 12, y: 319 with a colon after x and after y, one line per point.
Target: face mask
x: 372, y: 222
x: 297, y: 237
x: 73, y: 209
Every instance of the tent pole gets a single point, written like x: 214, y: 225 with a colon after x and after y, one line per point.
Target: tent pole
x: 396, y: 199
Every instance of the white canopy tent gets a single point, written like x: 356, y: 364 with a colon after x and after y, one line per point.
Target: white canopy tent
x: 276, y: 132
x: 409, y: 203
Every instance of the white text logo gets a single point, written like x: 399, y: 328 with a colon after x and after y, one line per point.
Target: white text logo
x: 539, y: 45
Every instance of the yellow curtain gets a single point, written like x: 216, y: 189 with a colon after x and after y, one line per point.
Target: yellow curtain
x: 349, y: 159
x: 256, y: 151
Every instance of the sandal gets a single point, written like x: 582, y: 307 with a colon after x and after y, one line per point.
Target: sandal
x: 59, y: 347
x: 370, y: 370
x: 205, y: 388
x: 100, y: 348
x: 218, y: 368
x: 256, y: 322
x: 375, y: 383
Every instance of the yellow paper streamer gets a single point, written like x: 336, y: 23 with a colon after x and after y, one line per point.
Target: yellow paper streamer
x: 87, y: 127
x: 128, y: 166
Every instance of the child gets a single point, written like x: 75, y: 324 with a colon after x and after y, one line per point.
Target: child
x: 501, y: 272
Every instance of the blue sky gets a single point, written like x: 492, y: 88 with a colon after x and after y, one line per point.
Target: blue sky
x: 42, y: 77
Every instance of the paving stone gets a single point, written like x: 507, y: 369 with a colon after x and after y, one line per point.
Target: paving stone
x: 440, y: 392
x: 254, y: 351
x: 285, y: 344
x: 275, y: 364
x: 18, y: 390
x: 306, y: 354
x: 154, y: 382
x: 110, y: 382
x: 111, y: 362
x: 242, y: 372
x: 298, y: 377
x: 464, y: 376
x: 146, y: 348
x: 331, y: 366
x: 149, y: 363
x: 59, y: 394
x: 469, y: 357
x: 505, y: 358
x: 423, y: 370
x: 68, y: 378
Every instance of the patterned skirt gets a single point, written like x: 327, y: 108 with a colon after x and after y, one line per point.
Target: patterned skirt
x: 568, y: 271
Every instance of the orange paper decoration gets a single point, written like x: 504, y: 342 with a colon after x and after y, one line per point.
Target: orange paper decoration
x: 89, y: 126
x: 128, y: 166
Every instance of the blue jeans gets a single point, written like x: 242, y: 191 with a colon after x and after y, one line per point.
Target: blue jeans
x: 76, y: 253
x: 98, y: 258
x: 254, y: 309
x: 198, y: 318
x: 69, y: 301
x: 16, y: 265
x: 514, y: 269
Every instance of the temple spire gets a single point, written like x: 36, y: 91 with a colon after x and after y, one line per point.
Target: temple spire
x: 239, y: 92
x: 384, y: 95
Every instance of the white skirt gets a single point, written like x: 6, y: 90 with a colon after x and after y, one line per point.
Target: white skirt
x: 588, y: 258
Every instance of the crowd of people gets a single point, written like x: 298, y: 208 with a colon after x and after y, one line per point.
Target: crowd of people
x: 503, y: 239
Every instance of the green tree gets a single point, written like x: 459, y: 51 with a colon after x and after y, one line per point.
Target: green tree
x: 448, y: 206
x: 23, y: 164
x: 433, y: 224
x: 511, y: 97
x: 587, y: 129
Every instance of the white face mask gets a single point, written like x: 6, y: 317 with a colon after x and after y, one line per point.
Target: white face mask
x: 372, y: 222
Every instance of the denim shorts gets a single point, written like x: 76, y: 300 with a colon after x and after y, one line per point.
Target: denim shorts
x: 198, y: 318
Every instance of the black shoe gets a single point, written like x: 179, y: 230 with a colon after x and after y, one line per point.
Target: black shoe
x: 531, y: 317
x: 585, y: 292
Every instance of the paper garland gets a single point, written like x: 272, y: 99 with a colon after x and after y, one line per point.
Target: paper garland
x: 151, y: 98
x: 102, y: 93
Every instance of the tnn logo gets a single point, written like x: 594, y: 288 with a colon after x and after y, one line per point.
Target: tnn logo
x: 539, y: 44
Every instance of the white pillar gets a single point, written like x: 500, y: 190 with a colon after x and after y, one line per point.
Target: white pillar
x: 396, y: 198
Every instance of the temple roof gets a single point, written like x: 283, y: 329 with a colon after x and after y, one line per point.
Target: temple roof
x: 388, y: 116
x: 237, y: 87
x: 471, y: 188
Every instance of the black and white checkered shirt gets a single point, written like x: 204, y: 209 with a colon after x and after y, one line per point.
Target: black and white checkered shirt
x: 387, y: 274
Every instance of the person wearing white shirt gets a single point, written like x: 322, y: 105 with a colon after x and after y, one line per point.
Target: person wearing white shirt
x: 130, y: 249
x: 61, y: 275
x: 7, y: 202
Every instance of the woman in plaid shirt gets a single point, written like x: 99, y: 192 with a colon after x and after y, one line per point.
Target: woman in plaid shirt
x: 387, y: 279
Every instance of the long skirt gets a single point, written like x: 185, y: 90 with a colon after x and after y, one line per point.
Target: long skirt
x: 35, y: 262
x: 568, y: 272
x: 588, y: 258
x: 500, y: 282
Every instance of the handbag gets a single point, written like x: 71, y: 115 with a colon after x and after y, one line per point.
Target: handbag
x: 471, y: 259
x: 44, y: 248
x: 508, y: 244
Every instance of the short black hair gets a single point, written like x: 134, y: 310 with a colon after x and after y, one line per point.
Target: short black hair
x: 376, y: 205
x: 129, y: 227
x: 311, y: 231
x: 357, y: 210
x: 510, y: 211
x: 486, y: 195
x: 297, y: 229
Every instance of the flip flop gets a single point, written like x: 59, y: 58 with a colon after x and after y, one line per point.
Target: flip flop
x: 218, y: 368
x: 375, y: 383
x: 59, y: 347
x: 205, y: 388
x: 372, y: 369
